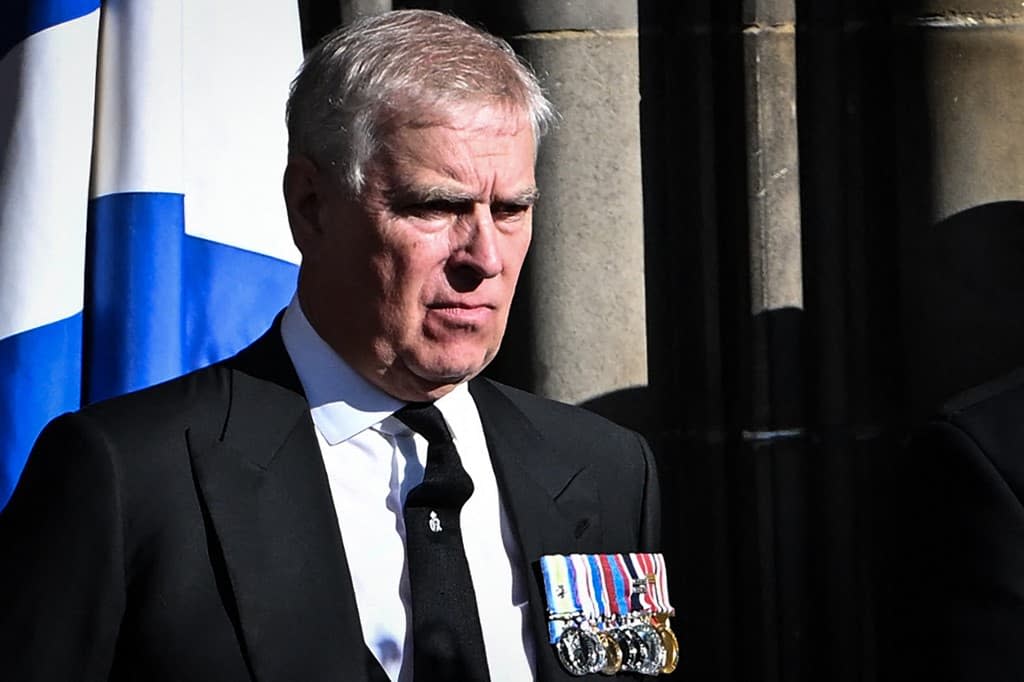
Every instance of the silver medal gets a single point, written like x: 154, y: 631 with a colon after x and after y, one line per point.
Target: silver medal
x: 580, y: 651
x: 633, y: 649
x: 654, y: 661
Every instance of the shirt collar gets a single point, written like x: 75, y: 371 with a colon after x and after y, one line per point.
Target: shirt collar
x: 458, y: 409
x: 342, y: 403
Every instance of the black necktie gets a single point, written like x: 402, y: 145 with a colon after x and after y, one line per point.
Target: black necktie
x: 447, y: 642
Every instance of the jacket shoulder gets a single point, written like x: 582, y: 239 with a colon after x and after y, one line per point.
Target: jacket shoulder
x: 994, y: 405
x: 991, y: 416
x: 1005, y: 390
x: 582, y: 436
x: 554, y: 415
x: 199, y: 397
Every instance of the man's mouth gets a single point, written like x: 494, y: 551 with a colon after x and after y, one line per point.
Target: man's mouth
x: 461, y: 313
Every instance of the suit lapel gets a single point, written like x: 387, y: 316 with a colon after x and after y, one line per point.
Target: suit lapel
x: 266, y: 494
x: 551, y: 510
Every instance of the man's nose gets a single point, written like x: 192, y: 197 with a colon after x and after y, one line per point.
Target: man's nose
x: 480, y: 251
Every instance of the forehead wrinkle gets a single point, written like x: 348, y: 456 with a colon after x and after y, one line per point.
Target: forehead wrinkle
x: 415, y: 177
x: 527, y: 195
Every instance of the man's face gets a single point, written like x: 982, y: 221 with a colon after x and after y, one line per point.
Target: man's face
x: 412, y: 281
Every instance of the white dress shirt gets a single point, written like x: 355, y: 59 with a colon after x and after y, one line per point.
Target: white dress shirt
x: 372, y: 461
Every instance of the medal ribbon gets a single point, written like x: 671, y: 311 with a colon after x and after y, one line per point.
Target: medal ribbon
x: 603, y: 589
x: 560, y: 591
x: 646, y: 564
x: 643, y: 567
x: 617, y: 582
x: 637, y: 583
x: 654, y: 564
x: 588, y: 593
x: 573, y: 584
x: 662, y: 577
x: 600, y: 592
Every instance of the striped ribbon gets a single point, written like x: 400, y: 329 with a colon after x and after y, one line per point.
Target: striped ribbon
x: 603, y: 590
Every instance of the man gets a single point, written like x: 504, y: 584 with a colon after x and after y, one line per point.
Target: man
x: 957, y: 550
x: 252, y: 520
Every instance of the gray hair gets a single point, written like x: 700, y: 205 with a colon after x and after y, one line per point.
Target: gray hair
x: 396, y: 68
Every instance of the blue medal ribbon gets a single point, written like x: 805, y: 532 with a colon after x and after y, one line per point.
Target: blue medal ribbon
x: 620, y: 586
x: 600, y: 592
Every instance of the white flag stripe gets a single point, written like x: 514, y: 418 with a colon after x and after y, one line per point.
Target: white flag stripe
x: 234, y: 109
x: 44, y: 173
x: 138, y: 145
x: 215, y: 93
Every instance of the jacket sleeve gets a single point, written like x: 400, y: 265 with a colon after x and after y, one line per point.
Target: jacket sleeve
x: 958, y: 562
x: 62, y: 586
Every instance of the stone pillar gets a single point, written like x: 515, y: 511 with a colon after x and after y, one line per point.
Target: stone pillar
x: 772, y: 473
x: 587, y: 273
x: 769, y: 42
x: 579, y: 327
x: 773, y: 215
x: 353, y: 9
x: 962, y: 169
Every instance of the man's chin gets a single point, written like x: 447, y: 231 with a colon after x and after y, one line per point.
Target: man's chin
x: 434, y: 379
x: 449, y: 376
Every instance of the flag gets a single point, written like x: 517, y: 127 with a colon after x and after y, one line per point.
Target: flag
x: 142, y: 230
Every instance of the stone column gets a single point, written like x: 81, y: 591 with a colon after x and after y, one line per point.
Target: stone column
x: 772, y: 473
x: 579, y: 327
x: 769, y: 32
x: 962, y: 169
x: 353, y: 9
x: 587, y: 273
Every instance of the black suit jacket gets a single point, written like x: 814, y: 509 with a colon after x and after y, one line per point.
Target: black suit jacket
x: 187, y: 532
x: 958, y: 550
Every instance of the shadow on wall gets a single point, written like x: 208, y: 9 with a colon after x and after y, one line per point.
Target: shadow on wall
x: 964, y: 303
x: 629, y: 407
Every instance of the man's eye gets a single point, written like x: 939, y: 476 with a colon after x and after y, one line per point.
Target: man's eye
x: 431, y: 210
x: 508, y: 212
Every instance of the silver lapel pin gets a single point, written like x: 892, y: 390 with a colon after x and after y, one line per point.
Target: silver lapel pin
x: 435, y: 523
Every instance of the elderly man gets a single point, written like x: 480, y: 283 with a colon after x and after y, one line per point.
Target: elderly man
x: 344, y: 499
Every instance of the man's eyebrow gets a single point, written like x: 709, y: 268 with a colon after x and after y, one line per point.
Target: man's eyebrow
x: 527, y: 197
x: 423, y: 195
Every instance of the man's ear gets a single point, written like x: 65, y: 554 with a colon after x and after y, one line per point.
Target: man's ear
x: 304, y: 197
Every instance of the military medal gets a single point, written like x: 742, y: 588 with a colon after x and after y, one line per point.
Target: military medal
x: 653, y: 662
x: 671, y: 644
x: 626, y: 608
x: 643, y: 583
x: 612, y: 653
x: 580, y: 651
x: 655, y: 563
x: 606, y: 606
x: 609, y: 613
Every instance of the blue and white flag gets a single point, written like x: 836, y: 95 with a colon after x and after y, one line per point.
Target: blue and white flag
x: 142, y: 230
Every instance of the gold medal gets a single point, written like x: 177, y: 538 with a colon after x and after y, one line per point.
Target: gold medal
x: 669, y: 641
x: 613, y: 654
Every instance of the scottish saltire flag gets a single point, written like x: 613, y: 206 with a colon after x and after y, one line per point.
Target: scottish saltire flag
x: 142, y: 231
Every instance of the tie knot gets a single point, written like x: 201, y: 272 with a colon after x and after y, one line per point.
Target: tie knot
x: 426, y: 420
